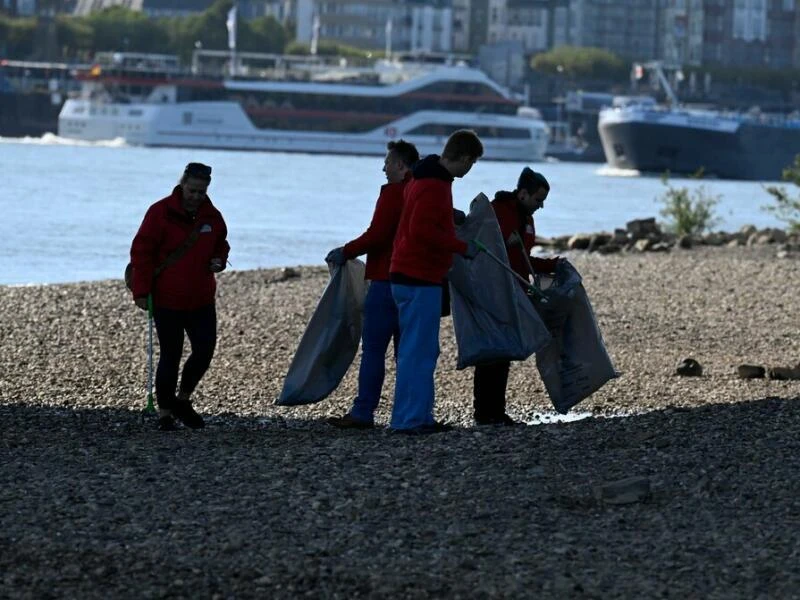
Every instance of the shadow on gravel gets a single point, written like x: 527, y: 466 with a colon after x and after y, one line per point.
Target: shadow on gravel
x: 94, y: 504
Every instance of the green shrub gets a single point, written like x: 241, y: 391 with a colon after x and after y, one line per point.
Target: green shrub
x: 688, y: 211
x: 785, y: 208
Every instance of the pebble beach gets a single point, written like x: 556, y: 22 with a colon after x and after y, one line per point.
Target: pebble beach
x: 272, y: 502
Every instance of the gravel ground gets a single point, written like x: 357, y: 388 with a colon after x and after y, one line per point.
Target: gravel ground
x: 271, y: 502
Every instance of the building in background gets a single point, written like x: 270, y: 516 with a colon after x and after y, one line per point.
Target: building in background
x: 682, y: 32
x: 407, y: 25
x: 152, y: 8
x: 692, y: 32
x: 503, y: 62
x: 281, y: 10
x: 461, y: 25
x: 750, y: 33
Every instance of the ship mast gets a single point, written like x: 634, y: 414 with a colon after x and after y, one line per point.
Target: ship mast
x: 657, y: 67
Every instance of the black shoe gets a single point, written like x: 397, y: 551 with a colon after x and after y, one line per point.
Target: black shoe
x: 187, y: 415
x: 167, y: 423
x: 435, y: 427
x: 348, y: 421
x: 504, y: 420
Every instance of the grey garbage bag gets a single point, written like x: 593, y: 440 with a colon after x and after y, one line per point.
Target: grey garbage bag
x: 575, y: 364
x: 330, y: 341
x: 493, y: 318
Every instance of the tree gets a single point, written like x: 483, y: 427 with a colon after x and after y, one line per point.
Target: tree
x: 581, y: 63
x: 263, y: 34
x: 787, y: 209
x: 74, y: 37
x: 688, y: 212
x: 328, y: 48
x: 119, y: 28
x: 17, y: 37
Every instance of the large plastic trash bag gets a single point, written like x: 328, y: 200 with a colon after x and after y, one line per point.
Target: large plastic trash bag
x: 575, y: 364
x: 330, y: 341
x: 493, y: 317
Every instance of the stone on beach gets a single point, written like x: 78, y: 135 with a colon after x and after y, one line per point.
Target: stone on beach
x: 272, y: 502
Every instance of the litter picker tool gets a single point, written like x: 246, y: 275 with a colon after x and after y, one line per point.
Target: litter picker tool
x: 150, y: 407
x: 529, y: 287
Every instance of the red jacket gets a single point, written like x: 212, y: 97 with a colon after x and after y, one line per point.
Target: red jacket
x: 188, y: 283
x: 377, y: 240
x: 426, y: 237
x: 512, y: 219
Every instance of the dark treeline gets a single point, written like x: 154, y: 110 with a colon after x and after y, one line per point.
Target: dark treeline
x: 72, y: 38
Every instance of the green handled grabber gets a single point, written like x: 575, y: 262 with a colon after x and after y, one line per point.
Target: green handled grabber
x: 150, y: 408
x: 529, y: 287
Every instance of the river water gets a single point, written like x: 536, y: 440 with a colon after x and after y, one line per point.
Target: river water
x: 70, y: 209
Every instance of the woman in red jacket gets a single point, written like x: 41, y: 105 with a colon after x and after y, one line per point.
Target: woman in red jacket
x: 514, y: 212
x: 180, y: 245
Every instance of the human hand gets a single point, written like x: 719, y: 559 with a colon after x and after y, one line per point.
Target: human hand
x: 141, y: 302
x: 473, y: 249
x: 217, y: 265
x: 336, y: 256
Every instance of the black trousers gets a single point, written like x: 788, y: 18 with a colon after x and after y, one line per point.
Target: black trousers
x: 489, y: 388
x: 201, y: 328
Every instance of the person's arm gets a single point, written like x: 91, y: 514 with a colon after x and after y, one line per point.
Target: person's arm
x: 432, y: 222
x: 381, y: 230
x: 221, y: 248
x: 144, y: 253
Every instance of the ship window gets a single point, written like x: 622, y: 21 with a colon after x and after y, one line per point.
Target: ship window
x: 443, y: 130
x: 135, y: 112
x: 187, y: 118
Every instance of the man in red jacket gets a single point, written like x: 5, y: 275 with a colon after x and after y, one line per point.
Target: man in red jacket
x: 380, y: 311
x: 180, y: 245
x: 423, y: 254
x: 514, y: 212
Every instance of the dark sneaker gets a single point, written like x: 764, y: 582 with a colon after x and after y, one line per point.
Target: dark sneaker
x: 167, y: 423
x: 435, y: 427
x: 348, y: 421
x: 504, y: 420
x: 187, y: 415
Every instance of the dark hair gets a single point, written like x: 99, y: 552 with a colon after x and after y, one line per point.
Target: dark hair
x: 196, y: 171
x: 463, y: 142
x: 405, y: 151
x: 531, y: 181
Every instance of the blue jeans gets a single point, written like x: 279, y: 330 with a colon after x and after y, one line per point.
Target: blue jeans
x: 380, y: 326
x: 419, y: 309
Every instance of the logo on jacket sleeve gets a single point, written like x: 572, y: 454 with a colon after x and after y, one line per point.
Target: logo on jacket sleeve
x: 205, y: 228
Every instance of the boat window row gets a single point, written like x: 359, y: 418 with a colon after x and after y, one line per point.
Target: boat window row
x: 444, y: 130
x: 364, y: 107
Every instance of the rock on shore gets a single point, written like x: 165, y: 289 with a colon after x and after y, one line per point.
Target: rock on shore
x: 271, y: 502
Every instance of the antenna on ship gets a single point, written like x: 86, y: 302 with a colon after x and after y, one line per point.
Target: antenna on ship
x: 231, y: 25
x: 312, y: 49
x: 389, y: 38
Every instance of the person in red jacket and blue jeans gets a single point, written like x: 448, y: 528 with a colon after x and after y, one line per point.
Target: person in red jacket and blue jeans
x: 514, y: 212
x: 423, y: 254
x: 183, y: 287
x: 380, y: 311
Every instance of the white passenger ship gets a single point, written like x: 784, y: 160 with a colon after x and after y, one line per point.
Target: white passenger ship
x: 297, y: 104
